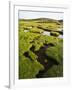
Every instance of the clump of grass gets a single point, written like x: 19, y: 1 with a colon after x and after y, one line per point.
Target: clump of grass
x: 55, y: 71
x: 54, y: 34
x: 55, y: 53
x: 33, y: 55
x: 36, y: 30
x: 28, y: 68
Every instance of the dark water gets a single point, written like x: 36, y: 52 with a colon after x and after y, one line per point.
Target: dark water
x: 41, y: 58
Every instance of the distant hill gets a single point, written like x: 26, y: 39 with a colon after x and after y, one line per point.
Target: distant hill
x: 44, y: 20
x: 61, y: 21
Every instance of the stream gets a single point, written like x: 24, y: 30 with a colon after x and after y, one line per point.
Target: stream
x: 42, y: 56
x: 47, y: 33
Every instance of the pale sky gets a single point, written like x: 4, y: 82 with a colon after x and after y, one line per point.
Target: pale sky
x: 33, y: 15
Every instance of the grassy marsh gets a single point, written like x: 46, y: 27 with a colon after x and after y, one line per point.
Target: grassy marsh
x: 40, y: 56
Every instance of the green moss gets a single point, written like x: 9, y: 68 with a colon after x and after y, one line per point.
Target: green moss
x: 55, y: 71
x: 28, y: 68
x: 37, y: 44
x: 36, y: 30
x: 33, y: 55
x: 54, y: 34
x: 55, y: 53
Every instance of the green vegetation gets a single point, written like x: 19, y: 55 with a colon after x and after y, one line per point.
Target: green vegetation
x: 28, y: 68
x: 32, y: 55
x: 40, y: 53
x: 36, y: 30
x: 55, y: 53
x: 55, y: 71
x: 54, y: 34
